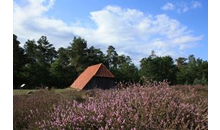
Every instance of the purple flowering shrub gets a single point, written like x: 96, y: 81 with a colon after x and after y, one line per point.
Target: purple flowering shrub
x: 133, y: 107
x: 28, y: 109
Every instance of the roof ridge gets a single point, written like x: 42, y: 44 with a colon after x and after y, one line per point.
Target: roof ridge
x: 88, y: 73
x: 100, y: 64
x: 105, y: 68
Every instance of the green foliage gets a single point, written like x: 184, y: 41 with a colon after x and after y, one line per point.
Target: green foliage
x: 126, y: 73
x: 61, y: 76
x: 19, y: 60
x: 195, y: 71
x: 61, y: 72
x: 38, y: 64
x: 46, y: 53
x: 78, y: 53
x: 40, y: 56
x: 122, y: 67
x: 158, y: 68
x: 180, y: 62
x: 95, y: 56
x: 112, y: 56
x: 202, y: 81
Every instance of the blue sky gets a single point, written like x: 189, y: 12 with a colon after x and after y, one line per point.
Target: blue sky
x: 133, y: 27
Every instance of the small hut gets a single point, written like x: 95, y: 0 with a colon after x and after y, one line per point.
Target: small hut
x: 95, y: 76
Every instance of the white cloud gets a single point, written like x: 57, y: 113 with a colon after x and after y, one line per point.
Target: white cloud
x: 182, y: 6
x: 168, y: 6
x: 196, y: 4
x: 31, y: 22
x: 186, y: 39
x: 130, y: 31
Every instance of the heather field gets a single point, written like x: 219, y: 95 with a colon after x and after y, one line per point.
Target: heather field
x: 134, y: 107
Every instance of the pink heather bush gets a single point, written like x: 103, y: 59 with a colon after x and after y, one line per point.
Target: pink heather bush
x: 134, y: 108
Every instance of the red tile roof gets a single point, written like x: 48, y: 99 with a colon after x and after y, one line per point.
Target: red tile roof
x: 95, y: 70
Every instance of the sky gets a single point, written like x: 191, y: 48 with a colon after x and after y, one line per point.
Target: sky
x: 134, y: 27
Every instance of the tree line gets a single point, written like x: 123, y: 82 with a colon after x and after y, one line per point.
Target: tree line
x: 39, y: 64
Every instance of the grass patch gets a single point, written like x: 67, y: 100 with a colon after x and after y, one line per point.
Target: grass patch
x: 40, y: 101
x: 23, y: 91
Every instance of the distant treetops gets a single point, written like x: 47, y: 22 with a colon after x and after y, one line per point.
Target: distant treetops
x: 39, y: 64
